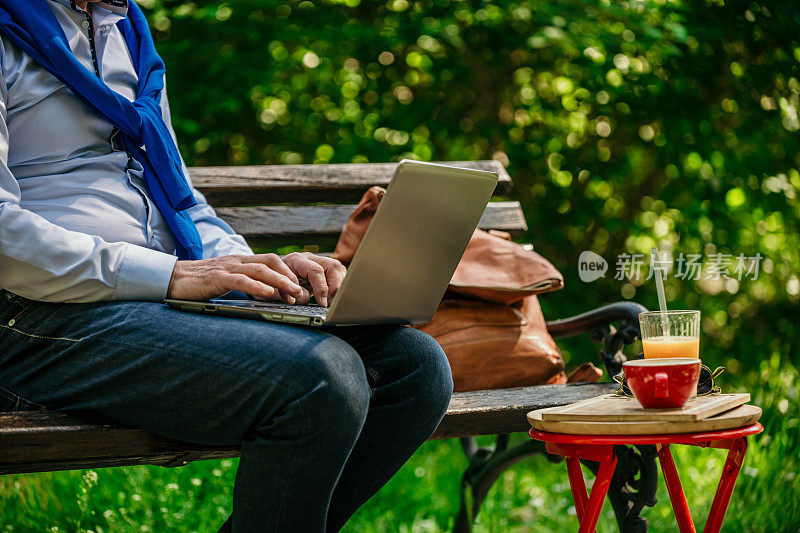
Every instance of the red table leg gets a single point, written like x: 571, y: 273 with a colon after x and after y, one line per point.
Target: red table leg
x: 676, y: 495
x: 587, y: 507
x: 576, y: 483
x: 598, y: 496
x: 730, y: 472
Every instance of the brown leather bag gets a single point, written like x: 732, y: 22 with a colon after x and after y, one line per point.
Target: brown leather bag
x: 495, y: 269
x: 496, y: 346
x: 357, y: 224
x: 489, y: 324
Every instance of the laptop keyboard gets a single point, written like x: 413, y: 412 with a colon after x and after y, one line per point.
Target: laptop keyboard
x: 304, y: 309
x: 314, y: 310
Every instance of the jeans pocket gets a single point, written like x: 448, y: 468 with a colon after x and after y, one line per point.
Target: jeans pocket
x: 12, y: 307
x: 22, y: 317
x: 14, y: 402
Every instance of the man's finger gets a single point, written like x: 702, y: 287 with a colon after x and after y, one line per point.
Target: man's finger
x: 300, y: 300
x: 305, y: 297
x: 305, y: 267
x: 334, y: 273
x: 246, y: 284
x: 274, y: 262
x: 265, y: 274
x: 319, y: 284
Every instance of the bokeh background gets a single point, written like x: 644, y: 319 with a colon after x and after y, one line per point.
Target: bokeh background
x: 624, y: 124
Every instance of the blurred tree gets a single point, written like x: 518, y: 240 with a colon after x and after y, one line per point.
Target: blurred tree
x: 624, y: 124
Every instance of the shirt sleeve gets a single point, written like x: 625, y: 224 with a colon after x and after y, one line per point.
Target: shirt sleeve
x: 43, y: 261
x: 218, y: 237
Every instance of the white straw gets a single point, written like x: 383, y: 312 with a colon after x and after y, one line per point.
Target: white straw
x: 662, y: 299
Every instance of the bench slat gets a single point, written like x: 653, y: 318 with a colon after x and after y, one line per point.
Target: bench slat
x: 41, y: 441
x: 272, y: 184
x: 264, y: 226
x: 495, y: 412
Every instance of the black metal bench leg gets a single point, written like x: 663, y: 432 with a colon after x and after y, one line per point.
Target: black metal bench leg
x: 485, y: 466
x: 633, y: 486
x: 636, y: 476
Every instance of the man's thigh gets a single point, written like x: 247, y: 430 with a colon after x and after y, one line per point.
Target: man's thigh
x: 189, y: 376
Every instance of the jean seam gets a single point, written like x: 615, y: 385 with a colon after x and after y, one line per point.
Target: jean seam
x: 36, y: 336
x: 8, y: 394
x: 25, y: 307
x: 303, y: 432
x: 18, y: 300
x: 34, y: 406
x: 17, y: 399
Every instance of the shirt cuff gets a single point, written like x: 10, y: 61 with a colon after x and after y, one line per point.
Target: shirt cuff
x: 144, y: 274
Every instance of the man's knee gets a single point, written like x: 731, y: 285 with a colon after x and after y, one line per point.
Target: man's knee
x: 332, y: 383
x: 336, y: 369
x: 436, y: 368
x: 430, y: 370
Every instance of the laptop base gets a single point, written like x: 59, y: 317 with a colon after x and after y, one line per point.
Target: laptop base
x: 303, y: 315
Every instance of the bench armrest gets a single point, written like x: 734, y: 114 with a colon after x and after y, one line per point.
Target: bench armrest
x: 597, y: 323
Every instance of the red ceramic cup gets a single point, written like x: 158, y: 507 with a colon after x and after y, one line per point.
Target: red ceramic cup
x: 662, y: 383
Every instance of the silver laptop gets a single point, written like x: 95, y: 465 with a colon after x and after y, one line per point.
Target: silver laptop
x: 405, y: 261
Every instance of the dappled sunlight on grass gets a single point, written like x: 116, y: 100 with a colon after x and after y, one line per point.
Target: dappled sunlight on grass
x: 196, y: 497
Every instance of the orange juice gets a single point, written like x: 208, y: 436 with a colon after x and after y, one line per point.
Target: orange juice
x: 671, y: 346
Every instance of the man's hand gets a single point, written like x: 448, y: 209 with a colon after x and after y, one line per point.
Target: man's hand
x: 324, y: 274
x: 264, y: 276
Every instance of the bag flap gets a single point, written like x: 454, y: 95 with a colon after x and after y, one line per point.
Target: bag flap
x: 500, y: 270
x: 357, y: 224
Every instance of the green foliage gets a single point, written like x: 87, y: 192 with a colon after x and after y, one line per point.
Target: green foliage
x: 625, y: 124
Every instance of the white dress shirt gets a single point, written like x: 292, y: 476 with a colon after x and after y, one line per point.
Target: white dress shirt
x: 76, y: 224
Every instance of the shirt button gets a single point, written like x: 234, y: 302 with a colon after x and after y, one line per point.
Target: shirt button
x: 85, y: 23
x: 12, y: 322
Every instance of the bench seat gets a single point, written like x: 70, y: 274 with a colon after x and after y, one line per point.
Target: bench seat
x: 41, y: 441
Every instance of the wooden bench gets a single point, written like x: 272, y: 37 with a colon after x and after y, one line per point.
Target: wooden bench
x: 307, y: 205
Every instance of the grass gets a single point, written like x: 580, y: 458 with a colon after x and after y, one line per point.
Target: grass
x: 532, y: 496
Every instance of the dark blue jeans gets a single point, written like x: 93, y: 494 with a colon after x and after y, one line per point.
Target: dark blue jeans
x: 324, y: 418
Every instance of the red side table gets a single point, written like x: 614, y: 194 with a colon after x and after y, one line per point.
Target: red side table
x: 600, y: 448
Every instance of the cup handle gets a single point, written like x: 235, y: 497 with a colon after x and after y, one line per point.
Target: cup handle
x: 661, y: 388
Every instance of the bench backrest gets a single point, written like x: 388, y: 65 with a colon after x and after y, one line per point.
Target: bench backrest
x: 307, y: 205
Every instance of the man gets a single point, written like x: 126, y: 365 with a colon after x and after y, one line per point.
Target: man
x: 98, y: 224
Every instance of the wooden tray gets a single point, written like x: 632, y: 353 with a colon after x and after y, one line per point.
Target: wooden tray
x: 611, y: 408
x: 741, y: 416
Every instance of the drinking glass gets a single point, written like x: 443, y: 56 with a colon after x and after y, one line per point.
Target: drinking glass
x: 670, y: 334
